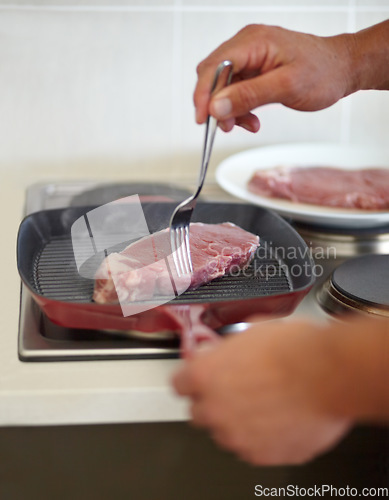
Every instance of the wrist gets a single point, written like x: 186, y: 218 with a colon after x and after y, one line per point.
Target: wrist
x: 343, y: 67
x: 369, y: 58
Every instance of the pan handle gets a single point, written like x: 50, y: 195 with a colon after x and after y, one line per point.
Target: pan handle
x: 193, y: 331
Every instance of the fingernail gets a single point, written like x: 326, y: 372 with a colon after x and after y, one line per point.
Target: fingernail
x: 222, y: 107
x: 248, y: 127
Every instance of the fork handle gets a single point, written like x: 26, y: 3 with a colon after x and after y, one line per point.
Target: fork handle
x: 194, y: 332
x: 211, y: 123
x: 210, y: 131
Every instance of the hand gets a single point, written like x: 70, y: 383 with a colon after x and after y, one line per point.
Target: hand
x: 266, y: 394
x: 272, y: 64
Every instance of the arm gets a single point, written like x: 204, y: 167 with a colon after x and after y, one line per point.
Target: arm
x: 301, y: 71
x: 369, y: 51
x: 282, y: 393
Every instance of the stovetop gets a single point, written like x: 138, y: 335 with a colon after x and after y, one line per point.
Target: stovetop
x: 41, y: 340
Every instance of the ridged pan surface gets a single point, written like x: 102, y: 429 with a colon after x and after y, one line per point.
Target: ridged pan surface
x: 55, y: 276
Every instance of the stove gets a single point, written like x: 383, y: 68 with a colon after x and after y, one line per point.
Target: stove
x: 42, y: 340
x: 355, y: 269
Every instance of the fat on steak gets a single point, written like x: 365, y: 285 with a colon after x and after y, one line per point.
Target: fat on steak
x: 366, y: 189
x: 141, y: 272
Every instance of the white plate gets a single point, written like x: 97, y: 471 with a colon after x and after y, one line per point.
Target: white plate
x: 234, y: 173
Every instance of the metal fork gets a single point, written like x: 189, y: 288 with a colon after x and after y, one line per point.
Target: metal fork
x: 180, y: 220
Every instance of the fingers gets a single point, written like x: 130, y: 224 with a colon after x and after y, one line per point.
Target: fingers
x: 246, y: 50
x: 186, y: 383
x: 227, y: 125
x: 202, y: 94
x: 191, y: 379
x: 233, y: 104
x: 237, y: 50
x: 241, y: 97
x: 249, y: 122
x: 183, y: 382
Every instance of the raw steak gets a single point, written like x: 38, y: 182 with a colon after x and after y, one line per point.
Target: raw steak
x: 366, y: 189
x: 141, y: 271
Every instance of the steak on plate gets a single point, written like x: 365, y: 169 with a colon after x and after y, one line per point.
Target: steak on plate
x: 366, y: 189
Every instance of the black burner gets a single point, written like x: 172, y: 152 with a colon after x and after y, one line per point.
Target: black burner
x: 365, y: 279
x: 359, y: 284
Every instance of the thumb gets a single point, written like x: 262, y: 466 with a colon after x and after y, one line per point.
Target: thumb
x: 241, y: 97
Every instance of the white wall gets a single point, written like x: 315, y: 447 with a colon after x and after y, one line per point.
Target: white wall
x: 96, y: 86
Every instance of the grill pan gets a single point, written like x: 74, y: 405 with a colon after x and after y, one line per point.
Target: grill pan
x: 279, y: 277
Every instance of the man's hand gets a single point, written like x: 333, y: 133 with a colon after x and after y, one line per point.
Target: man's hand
x: 267, y: 394
x: 272, y: 64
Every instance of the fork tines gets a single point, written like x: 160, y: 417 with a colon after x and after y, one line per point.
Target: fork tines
x: 179, y: 238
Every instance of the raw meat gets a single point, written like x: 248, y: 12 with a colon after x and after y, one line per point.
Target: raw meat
x: 366, y: 189
x: 144, y: 269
